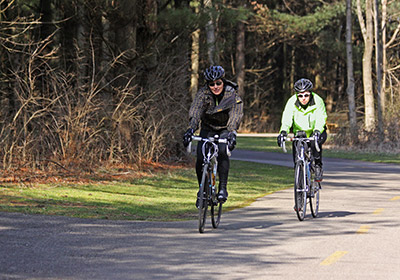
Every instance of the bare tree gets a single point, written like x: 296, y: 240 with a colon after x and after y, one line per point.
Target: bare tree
x: 368, y: 36
x: 240, y: 56
x: 391, y: 43
x: 195, y: 53
x: 210, y: 31
x: 378, y: 67
x: 350, y: 72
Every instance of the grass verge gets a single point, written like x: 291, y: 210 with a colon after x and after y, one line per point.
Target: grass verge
x: 163, y: 196
x: 268, y: 144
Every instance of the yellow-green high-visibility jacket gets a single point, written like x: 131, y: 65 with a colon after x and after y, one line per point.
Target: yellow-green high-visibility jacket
x: 309, y: 119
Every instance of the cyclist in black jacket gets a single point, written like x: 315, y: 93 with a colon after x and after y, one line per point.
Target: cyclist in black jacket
x: 219, y: 109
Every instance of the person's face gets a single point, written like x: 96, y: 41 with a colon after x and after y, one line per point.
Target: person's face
x: 304, y: 97
x: 216, y: 86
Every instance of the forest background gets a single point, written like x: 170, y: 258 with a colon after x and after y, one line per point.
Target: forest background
x: 92, y: 83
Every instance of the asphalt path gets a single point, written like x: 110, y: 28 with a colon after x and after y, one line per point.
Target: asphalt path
x: 356, y: 236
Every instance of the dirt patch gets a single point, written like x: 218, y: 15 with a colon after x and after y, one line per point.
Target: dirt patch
x: 110, y: 172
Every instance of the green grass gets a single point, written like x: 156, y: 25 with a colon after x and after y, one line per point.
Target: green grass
x: 268, y: 144
x: 164, y: 196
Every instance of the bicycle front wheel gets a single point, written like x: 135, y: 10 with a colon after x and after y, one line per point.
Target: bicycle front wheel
x: 216, y: 211
x: 300, y: 194
x: 203, y: 203
x: 314, y: 198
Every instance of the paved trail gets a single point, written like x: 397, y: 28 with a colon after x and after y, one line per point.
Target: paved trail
x: 356, y: 236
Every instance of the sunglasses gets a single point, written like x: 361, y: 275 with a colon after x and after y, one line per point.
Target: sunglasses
x: 216, y: 83
x: 303, y: 95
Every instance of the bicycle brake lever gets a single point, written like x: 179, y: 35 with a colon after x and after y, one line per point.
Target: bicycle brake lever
x: 316, y: 143
x: 284, y: 146
x: 189, y: 148
x: 228, y: 152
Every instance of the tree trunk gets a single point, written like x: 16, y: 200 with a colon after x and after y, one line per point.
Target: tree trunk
x: 384, y: 59
x: 350, y: 73
x: 80, y: 42
x: 368, y: 36
x: 195, y: 58
x: 292, y: 69
x: 378, y: 65
x: 68, y: 34
x: 387, y: 44
x: 210, y: 31
x: 125, y: 41
x: 46, y: 14
x: 194, y: 80
x: 240, y: 56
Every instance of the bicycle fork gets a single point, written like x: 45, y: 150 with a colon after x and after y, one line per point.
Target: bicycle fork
x: 306, y: 172
x: 213, y: 177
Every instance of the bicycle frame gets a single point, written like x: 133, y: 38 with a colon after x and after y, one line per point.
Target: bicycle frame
x: 207, y: 190
x: 308, y: 187
x: 302, y: 155
x: 210, y: 151
x: 305, y: 157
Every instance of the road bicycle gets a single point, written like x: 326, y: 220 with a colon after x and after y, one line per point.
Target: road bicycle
x: 305, y: 186
x: 207, y: 192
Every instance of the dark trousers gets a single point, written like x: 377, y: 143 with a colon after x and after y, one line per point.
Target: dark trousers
x: 317, y: 155
x: 223, y: 159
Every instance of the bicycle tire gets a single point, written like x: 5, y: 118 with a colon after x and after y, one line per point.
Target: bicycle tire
x: 216, y: 217
x: 203, y: 203
x: 314, y: 199
x: 300, y: 195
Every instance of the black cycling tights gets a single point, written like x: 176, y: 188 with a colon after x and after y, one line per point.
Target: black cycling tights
x: 223, y: 159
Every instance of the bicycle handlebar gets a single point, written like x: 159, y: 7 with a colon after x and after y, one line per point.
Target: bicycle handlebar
x: 209, y: 139
x: 313, y: 138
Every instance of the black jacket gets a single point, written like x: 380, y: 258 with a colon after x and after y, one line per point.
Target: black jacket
x: 226, y: 115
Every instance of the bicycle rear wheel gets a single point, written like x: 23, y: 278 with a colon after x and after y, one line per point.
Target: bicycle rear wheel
x: 203, y: 203
x: 314, y: 198
x: 216, y: 211
x: 300, y: 194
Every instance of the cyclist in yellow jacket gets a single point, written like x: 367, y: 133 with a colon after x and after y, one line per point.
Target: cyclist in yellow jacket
x: 305, y: 111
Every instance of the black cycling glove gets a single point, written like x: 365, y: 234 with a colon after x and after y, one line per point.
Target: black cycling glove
x: 231, y: 140
x: 317, y: 134
x: 281, y: 138
x: 187, y: 137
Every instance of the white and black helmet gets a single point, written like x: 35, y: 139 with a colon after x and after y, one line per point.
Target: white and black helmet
x: 303, y: 85
x: 214, y: 73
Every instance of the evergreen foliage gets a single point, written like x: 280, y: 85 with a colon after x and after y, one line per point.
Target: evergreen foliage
x: 108, y: 81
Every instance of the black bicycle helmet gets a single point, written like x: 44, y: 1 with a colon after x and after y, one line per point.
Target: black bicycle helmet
x: 214, y: 73
x: 303, y: 85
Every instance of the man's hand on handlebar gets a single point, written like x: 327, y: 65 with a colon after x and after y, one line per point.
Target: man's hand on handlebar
x: 187, y: 137
x: 317, y: 134
x: 231, y: 140
x: 281, y: 138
